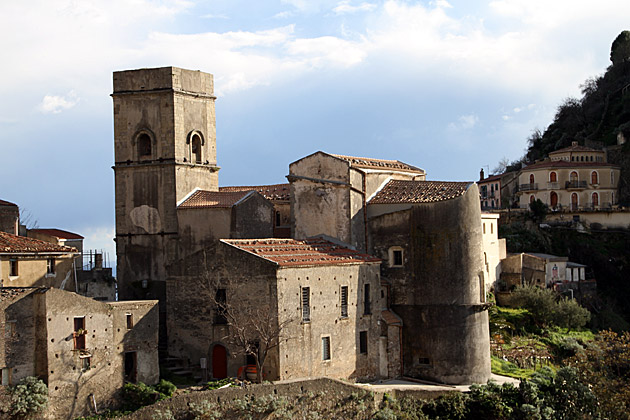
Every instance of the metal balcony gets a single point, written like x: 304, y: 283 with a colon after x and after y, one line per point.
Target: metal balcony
x: 575, y: 185
x: 528, y: 187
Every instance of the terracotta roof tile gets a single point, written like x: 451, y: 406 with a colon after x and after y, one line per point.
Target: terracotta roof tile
x: 58, y: 233
x: 12, y: 293
x: 576, y: 148
x: 490, y: 179
x: 566, y: 164
x: 212, y: 199
x: 293, y: 252
x: 398, y: 191
x: 391, y: 318
x: 20, y: 244
x: 279, y: 192
x: 6, y: 203
x: 378, y: 163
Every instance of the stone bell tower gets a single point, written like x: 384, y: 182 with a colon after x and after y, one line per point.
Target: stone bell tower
x: 165, y: 147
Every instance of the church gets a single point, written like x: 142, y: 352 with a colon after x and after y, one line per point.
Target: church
x: 356, y: 268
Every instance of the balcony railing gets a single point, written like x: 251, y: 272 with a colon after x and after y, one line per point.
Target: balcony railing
x: 575, y: 185
x: 528, y: 187
x: 553, y: 185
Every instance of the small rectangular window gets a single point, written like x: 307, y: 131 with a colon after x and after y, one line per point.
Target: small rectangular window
x: 363, y: 342
x: 398, y: 257
x: 13, y: 267
x: 221, y: 300
x: 129, y: 321
x: 344, y: 301
x: 50, y: 266
x: 9, y: 328
x: 79, y: 333
x: 367, y: 310
x: 325, y: 348
x: 306, y: 304
x: 86, y: 363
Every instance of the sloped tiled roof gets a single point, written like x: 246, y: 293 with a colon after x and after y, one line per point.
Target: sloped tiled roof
x: 212, y: 199
x: 378, y: 163
x: 11, y: 293
x: 566, y: 164
x: 490, y: 179
x: 6, y: 203
x: 292, y: 252
x: 576, y: 148
x: 20, y: 244
x: 391, y: 318
x: 58, y: 233
x: 270, y: 192
x: 398, y: 191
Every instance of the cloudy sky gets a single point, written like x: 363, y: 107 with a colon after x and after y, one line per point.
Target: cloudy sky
x: 448, y: 86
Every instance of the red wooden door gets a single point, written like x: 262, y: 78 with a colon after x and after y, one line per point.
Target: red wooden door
x: 219, y: 362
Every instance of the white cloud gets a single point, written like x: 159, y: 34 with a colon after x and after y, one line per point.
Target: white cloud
x: 283, y: 15
x: 52, y: 104
x: 464, y: 122
x: 345, y: 7
x: 213, y: 16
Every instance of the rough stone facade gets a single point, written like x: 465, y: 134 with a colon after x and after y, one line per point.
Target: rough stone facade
x: 77, y: 345
x: 9, y: 217
x: 173, y: 227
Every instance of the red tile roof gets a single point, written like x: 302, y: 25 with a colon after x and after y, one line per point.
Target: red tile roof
x: 12, y: 293
x: 279, y: 192
x: 308, y: 252
x: 13, y: 244
x: 397, y: 191
x: 378, y: 163
x: 576, y: 148
x: 212, y: 199
x: 391, y: 318
x: 6, y: 203
x: 58, y: 233
x: 566, y: 164
x: 490, y: 178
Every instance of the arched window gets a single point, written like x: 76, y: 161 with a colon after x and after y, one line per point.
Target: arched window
x: 574, y: 201
x: 553, y: 197
x: 143, y: 143
x: 196, y: 148
x: 531, y: 179
x: 553, y: 177
x: 595, y: 199
x: 582, y: 158
x: 574, y: 176
x: 594, y: 178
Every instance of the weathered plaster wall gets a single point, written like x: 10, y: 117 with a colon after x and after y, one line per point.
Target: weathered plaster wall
x: 9, y: 219
x: 18, y: 329
x: 439, y: 290
x: 193, y: 332
x: 320, y: 197
x: 252, y: 217
x: 32, y: 272
x: 301, y: 356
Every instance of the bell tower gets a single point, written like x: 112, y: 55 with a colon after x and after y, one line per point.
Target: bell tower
x: 165, y: 147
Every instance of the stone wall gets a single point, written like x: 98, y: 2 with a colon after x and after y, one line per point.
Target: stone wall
x: 439, y: 289
x: 9, y: 218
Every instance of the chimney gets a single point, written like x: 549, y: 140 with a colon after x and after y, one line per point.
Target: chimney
x: 481, y: 175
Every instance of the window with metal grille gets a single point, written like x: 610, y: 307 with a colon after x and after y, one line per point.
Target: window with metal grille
x: 363, y: 342
x: 344, y: 301
x: 325, y: 348
x: 367, y: 310
x: 306, y: 304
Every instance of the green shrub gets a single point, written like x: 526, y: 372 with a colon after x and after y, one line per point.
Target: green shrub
x: 569, y: 314
x: 29, y: 397
x: 166, y: 388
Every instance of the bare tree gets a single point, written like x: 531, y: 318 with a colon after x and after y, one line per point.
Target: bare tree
x: 28, y: 219
x: 255, y: 325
